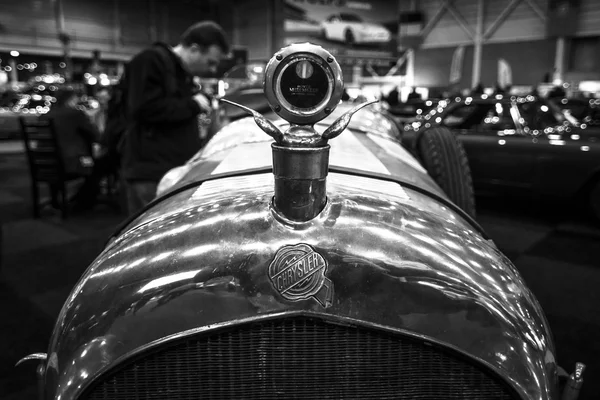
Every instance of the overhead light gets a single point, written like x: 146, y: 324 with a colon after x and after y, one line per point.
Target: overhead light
x: 14, y: 53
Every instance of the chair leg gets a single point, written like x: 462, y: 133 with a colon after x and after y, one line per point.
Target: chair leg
x: 64, y: 199
x: 35, y: 198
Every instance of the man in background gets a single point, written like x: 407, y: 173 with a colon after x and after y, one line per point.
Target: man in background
x: 392, y: 97
x: 76, y: 136
x: 75, y: 133
x: 162, y: 108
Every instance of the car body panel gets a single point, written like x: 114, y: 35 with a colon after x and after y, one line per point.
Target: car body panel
x: 396, y: 258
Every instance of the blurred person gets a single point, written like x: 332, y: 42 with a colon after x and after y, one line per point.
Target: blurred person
x: 413, y: 95
x: 557, y: 92
x: 77, y: 136
x: 498, y: 89
x: 478, y: 89
x: 163, y: 108
x: 546, y: 78
x: 392, y: 97
x: 75, y: 132
x: 99, y: 116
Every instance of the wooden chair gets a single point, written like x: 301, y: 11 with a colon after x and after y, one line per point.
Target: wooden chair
x: 45, y: 163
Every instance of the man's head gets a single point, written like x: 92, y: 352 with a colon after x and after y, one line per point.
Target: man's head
x: 201, y: 48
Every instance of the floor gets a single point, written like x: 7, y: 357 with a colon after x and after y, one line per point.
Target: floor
x: 556, y: 249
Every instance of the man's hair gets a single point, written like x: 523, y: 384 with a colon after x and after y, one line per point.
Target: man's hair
x: 205, y: 34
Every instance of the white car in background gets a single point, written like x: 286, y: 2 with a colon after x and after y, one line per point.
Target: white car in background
x: 351, y: 29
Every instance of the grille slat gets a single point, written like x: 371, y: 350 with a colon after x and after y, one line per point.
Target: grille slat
x: 297, y: 358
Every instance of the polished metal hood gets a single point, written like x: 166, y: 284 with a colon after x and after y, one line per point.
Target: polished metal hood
x: 394, y: 258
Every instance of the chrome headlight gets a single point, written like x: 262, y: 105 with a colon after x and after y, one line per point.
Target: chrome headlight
x: 303, y: 83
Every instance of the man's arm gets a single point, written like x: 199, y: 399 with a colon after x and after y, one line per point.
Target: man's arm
x: 147, y: 101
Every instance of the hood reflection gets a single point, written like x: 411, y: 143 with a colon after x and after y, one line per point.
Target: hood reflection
x: 399, y: 261
x: 166, y: 280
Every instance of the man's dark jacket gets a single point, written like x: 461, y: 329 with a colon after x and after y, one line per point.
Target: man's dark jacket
x: 76, y: 135
x: 162, y: 130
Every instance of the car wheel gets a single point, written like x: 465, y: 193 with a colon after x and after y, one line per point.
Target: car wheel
x: 444, y: 158
x: 349, y: 36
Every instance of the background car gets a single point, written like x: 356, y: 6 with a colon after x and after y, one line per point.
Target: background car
x: 519, y: 145
x: 351, y: 29
x: 586, y: 111
x: 408, y: 112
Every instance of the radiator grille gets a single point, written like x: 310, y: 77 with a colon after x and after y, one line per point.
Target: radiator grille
x: 297, y: 358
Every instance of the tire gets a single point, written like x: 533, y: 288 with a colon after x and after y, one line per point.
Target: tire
x: 444, y: 158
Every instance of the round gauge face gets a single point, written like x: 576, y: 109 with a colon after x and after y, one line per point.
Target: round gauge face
x: 304, y: 84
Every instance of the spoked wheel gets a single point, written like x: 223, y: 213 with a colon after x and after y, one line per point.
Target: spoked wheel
x: 444, y: 158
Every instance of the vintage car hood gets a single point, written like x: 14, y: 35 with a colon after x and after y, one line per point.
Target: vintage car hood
x: 395, y: 258
x: 369, y: 147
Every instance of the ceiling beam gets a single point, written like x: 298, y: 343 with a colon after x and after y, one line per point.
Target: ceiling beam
x: 434, y: 20
x: 370, y: 70
x: 461, y: 21
x: 537, y: 9
x: 501, y: 18
x: 398, y: 64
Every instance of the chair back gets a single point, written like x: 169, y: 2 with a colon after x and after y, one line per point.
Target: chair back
x: 43, y: 151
